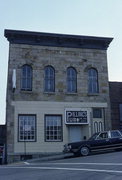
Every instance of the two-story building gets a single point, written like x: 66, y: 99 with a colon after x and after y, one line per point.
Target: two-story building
x: 57, y: 91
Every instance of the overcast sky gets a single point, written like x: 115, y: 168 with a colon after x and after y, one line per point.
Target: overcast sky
x: 78, y: 17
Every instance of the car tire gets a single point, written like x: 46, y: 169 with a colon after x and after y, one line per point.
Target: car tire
x: 84, y: 151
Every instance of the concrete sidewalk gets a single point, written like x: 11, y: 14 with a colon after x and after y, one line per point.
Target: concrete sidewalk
x: 49, y: 158
x: 43, y: 159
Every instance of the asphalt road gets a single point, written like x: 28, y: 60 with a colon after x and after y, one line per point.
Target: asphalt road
x: 106, y: 166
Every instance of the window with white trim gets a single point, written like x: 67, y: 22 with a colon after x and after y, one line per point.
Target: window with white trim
x: 27, y: 128
x: 53, y: 128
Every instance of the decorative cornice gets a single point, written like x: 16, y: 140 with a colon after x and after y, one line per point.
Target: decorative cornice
x: 57, y: 40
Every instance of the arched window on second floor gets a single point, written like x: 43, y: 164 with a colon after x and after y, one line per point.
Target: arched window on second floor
x: 26, y: 78
x: 49, y: 79
x: 93, y: 81
x: 71, y: 80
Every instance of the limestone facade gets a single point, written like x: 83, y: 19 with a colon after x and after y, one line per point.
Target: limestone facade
x: 60, y: 56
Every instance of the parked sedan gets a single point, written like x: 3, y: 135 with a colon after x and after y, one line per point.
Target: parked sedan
x: 98, y: 142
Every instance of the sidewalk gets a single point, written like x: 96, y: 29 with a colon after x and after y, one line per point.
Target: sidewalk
x: 42, y: 159
x: 49, y: 158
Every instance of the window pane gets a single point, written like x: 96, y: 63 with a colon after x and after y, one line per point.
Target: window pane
x: 49, y: 79
x: 97, y: 113
x: 92, y: 81
x: 26, y: 78
x: 71, y: 80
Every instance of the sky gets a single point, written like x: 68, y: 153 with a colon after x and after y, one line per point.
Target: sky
x: 77, y: 17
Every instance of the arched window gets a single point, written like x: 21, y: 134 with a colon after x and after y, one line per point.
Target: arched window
x: 96, y: 127
x: 71, y: 80
x: 93, y: 81
x: 26, y: 78
x: 100, y: 126
x: 49, y: 78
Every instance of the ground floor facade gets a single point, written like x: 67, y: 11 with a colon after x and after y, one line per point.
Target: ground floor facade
x: 44, y: 127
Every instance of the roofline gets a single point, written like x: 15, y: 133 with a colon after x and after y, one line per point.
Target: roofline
x: 54, y: 39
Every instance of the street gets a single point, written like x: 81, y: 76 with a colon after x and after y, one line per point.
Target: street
x: 100, y: 166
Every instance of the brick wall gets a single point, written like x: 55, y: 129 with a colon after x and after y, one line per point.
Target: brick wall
x: 115, y: 99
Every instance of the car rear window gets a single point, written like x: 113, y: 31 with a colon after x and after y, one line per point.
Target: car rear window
x: 115, y: 134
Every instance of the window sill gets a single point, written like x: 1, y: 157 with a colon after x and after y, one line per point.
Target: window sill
x: 72, y: 93
x: 49, y: 93
x: 26, y: 91
x: 27, y: 141
x: 53, y: 141
x: 93, y: 94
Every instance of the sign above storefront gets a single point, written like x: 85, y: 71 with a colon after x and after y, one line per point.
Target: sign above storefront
x: 76, y: 117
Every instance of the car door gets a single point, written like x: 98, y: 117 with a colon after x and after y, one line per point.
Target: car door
x: 101, y: 142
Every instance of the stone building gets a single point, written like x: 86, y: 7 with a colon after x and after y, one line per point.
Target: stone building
x: 57, y: 92
x: 116, y: 104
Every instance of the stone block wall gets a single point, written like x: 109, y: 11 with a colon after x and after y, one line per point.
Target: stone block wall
x: 60, y: 58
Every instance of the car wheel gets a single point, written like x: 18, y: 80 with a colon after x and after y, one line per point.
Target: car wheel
x: 84, y: 151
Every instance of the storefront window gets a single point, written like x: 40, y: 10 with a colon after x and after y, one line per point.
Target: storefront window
x: 27, y: 127
x: 53, y: 127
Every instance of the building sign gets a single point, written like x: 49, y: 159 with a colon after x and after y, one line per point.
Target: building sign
x: 76, y: 117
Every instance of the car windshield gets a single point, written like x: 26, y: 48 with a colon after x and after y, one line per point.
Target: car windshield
x: 93, y: 137
x: 120, y: 131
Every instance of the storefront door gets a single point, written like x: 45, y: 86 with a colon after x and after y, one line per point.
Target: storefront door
x: 75, y: 133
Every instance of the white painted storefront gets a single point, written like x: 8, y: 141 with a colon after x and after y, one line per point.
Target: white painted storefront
x: 77, y: 124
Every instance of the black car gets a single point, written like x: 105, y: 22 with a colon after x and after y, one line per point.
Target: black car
x: 107, y: 140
